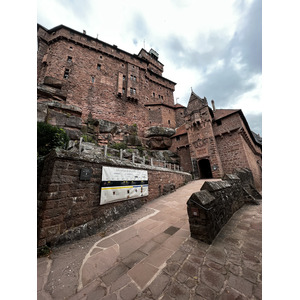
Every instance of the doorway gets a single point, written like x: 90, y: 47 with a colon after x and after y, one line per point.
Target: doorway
x: 204, y: 168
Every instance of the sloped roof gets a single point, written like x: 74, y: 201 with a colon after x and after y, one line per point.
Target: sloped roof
x: 179, y: 106
x: 180, y: 131
x: 222, y: 113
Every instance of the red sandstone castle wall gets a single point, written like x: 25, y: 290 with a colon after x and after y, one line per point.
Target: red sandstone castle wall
x: 103, y: 80
x: 237, y: 148
x: 66, y: 202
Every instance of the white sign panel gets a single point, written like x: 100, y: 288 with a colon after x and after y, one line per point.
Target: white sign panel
x: 123, y: 184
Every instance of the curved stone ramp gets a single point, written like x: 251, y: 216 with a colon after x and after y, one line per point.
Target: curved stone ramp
x: 126, y: 262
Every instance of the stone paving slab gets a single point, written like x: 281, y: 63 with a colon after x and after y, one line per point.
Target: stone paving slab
x: 155, y: 258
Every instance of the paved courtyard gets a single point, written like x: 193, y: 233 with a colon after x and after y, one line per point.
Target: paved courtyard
x: 152, y: 256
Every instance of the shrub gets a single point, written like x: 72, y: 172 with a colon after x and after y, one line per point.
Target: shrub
x: 119, y: 146
x: 50, y: 137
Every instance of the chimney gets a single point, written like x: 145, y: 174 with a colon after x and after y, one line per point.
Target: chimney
x: 213, y: 105
x: 84, y: 32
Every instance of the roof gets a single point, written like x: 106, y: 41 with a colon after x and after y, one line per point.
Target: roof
x: 222, y: 113
x: 180, y: 131
x: 179, y: 106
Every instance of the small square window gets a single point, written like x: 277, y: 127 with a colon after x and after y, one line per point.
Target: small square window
x: 69, y: 59
x: 219, y: 122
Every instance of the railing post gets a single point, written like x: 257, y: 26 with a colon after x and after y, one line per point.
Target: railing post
x: 105, y: 151
x: 121, y: 154
x: 80, y: 146
x: 151, y: 161
x: 144, y: 159
x: 133, y: 157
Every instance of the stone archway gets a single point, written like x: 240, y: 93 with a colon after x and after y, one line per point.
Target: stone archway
x: 204, y: 168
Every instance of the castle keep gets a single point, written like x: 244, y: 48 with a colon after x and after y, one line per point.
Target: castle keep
x: 91, y: 88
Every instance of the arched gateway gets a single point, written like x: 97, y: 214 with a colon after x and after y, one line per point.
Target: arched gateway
x: 204, y: 168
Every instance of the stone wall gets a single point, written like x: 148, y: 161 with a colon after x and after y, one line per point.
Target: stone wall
x: 69, y: 208
x: 100, y: 78
x: 211, y: 208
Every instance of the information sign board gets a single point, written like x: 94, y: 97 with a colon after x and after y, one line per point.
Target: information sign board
x: 122, y: 184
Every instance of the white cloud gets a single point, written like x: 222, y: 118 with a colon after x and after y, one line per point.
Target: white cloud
x: 251, y: 102
x: 193, y: 38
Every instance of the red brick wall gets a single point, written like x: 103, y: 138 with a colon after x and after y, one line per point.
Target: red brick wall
x: 100, y: 98
x: 231, y: 152
x: 65, y: 202
x: 180, y: 146
x: 237, y: 148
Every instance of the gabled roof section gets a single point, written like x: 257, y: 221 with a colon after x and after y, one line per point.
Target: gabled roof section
x: 180, y: 131
x: 222, y: 113
x: 194, y: 97
x: 179, y: 106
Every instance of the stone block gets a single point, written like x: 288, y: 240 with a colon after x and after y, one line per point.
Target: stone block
x: 41, y: 111
x: 52, y: 81
x: 107, y: 126
x: 159, y: 131
x: 73, y: 121
x: 213, y: 186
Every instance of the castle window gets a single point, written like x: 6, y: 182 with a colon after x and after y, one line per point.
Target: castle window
x: 71, y: 48
x: 177, y: 138
x: 93, y: 79
x: 98, y: 67
x: 169, y: 122
x: 66, y: 74
x: 123, y: 91
x: 100, y: 56
x: 132, y: 91
x: 124, y: 77
x: 69, y: 59
x: 153, y: 94
x: 219, y: 122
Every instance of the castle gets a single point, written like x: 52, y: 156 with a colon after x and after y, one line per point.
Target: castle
x: 91, y: 88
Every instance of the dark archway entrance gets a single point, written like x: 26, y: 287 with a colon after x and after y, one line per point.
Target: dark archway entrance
x: 204, y: 168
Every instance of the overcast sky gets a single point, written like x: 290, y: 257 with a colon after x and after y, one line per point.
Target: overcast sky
x: 213, y: 47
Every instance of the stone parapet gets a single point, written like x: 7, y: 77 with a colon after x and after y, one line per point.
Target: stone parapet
x: 211, y: 208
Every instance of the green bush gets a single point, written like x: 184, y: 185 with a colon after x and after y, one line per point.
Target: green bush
x: 118, y: 146
x: 50, y: 137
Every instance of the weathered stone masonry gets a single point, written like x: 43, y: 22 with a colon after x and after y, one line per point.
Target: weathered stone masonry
x: 69, y: 208
x: 212, y: 207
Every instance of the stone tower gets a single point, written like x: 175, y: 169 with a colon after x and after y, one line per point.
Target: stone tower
x: 205, y: 158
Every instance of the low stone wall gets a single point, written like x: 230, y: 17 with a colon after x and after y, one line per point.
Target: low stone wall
x: 211, y: 208
x: 69, y: 208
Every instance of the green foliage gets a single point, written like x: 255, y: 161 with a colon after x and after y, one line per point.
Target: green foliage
x: 118, y: 146
x: 50, y: 137
x: 88, y: 139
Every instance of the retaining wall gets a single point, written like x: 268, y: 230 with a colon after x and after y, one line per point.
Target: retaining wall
x: 211, y: 208
x: 69, y: 208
